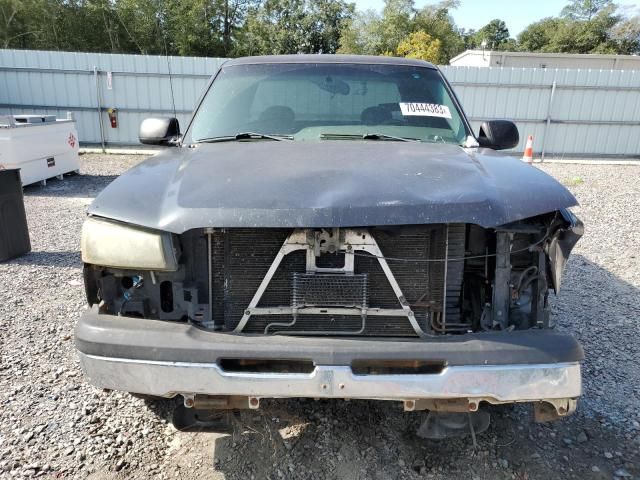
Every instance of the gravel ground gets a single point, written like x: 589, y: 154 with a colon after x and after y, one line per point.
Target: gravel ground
x: 53, y: 424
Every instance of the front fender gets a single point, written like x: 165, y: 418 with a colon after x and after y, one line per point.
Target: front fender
x: 561, y: 244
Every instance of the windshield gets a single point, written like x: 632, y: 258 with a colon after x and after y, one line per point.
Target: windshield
x: 329, y: 101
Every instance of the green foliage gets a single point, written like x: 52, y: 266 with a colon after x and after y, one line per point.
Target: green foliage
x: 361, y: 34
x: 370, y: 33
x: 584, y: 9
x: 397, y: 21
x: 325, y: 22
x: 585, y: 26
x: 626, y: 34
x: 16, y: 24
x: 585, y: 36
x: 495, y: 34
x: 537, y: 36
x: 374, y: 34
x: 437, y: 21
x: 469, y: 39
x: 420, y: 45
x: 584, y: 31
x: 179, y: 27
x: 574, y: 181
x: 294, y: 26
x: 254, y: 27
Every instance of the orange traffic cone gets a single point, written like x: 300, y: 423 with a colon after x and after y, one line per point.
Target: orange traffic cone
x: 528, y: 151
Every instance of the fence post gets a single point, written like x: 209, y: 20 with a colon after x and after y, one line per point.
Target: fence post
x: 548, y: 124
x: 99, y: 107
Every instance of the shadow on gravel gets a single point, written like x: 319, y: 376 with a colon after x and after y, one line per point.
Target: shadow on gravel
x: 347, y: 440
x: 48, y: 259
x: 336, y: 439
x: 160, y: 407
x: 602, y: 311
x: 83, y: 185
x: 376, y: 440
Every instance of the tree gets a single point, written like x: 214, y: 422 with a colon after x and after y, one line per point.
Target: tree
x: 584, y: 9
x: 437, y: 21
x: 495, y: 33
x: 183, y: 27
x: 142, y: 22
x: 294, y: 26
x: 565, y: 35
x: 325, y: 21
x: 420, y: 45
x: 627, y: 35
x: 234, y: 13
x: 586, y: 36
x: 538, y: 36
x: 17, y: 28
x: 253, y: 27
x: 192, y: 28
x: 370, y: 33
x: 396, y: 23
x: 361, y: 34
x: 469, y: 38
x: 509, y: 45
x: 374, y: 34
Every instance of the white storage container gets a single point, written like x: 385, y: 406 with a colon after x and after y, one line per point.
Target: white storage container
x: 39, y: 145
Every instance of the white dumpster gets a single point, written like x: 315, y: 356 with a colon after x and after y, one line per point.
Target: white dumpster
x: 41, y: 146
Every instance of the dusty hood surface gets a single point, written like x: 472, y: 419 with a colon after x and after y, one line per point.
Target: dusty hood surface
x: 327, y: 184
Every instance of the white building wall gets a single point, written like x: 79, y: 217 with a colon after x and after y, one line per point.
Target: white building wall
x: 478, y: 58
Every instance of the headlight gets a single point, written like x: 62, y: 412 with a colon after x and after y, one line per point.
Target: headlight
x: 112, y: 244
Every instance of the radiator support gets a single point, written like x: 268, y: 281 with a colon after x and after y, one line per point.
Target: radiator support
x: 347, y: 242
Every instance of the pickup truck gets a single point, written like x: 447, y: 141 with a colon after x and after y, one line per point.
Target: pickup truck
x: 330, y: 226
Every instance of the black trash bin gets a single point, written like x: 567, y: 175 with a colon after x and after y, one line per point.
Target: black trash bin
x: 14, y: 233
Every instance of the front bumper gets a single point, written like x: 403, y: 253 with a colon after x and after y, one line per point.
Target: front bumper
x: 165, y: 359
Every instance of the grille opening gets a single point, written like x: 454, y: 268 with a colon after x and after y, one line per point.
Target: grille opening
x: 397, y: 367
x: 385, y: 326
x: 166, y: 296
x: 266, y: 365
x: 241, y: 257
x: 126, y: 282
x: 330, y: 260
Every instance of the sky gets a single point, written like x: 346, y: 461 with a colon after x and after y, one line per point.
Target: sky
x: 474, y: 14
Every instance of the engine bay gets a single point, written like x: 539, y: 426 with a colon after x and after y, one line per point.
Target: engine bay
x: 391, y: 281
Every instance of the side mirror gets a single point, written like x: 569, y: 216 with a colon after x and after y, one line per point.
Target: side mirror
x: 498, y: 134
x: 159, y: 131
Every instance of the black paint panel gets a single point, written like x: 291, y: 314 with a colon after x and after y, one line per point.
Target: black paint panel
x: 328, y: 184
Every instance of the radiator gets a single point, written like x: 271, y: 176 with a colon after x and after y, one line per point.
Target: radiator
x: 240, y: 259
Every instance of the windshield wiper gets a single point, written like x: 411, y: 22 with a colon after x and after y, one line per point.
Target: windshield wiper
x: 246, y: 136
x: 366, y: 136
x: 384, y: 136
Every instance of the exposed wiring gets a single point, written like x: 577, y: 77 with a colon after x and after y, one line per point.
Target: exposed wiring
x: 137, y: 283
x: 529, y: 280
x: 533, y: 270
x: 450, y: 259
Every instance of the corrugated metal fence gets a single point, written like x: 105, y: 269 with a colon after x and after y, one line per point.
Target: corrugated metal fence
x: 589, y: 113
x: 138, y: 86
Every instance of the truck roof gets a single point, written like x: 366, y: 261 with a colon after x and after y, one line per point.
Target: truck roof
x: 322, y: 58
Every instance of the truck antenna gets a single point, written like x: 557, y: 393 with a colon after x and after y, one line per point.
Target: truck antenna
x: 173, y: 99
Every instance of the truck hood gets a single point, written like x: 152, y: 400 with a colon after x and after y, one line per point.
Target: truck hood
x: 328, y: 184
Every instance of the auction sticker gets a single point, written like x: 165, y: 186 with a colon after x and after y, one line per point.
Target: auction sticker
x: 424, y: 110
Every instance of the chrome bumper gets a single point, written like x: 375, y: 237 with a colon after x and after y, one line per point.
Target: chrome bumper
x: 491, y: 383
